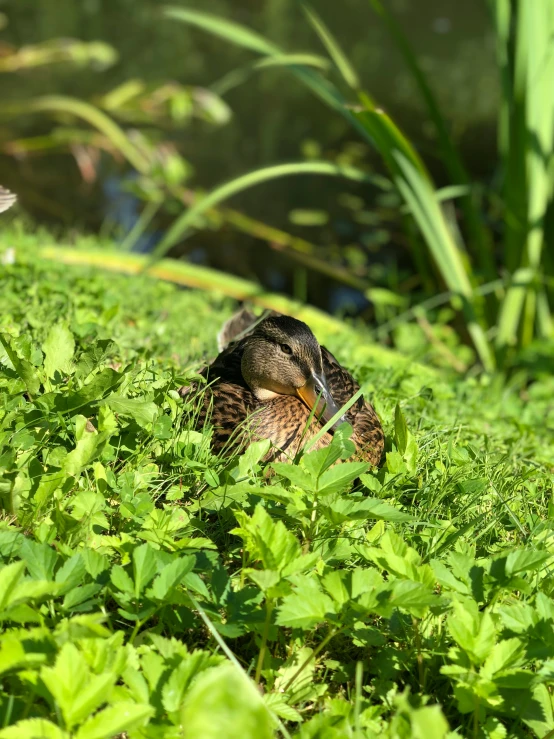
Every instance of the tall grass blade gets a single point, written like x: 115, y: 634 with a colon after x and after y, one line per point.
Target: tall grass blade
x: 240, y: 75
x: 420, y: 196
x: 186, y: 222
x: 478, y: 236
x: 532, y: 132
x: 86, y: 112
x: 226, y: 29
x: 387, y: 137
x: 416, y: 187
x: 335, y: 52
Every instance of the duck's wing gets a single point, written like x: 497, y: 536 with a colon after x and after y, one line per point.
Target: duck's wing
x: 368, y: 433
x: 7, y: 199
x: 224, y: 402
x: 226, y: 407
x: 226, y: 367
x: 341, y: 383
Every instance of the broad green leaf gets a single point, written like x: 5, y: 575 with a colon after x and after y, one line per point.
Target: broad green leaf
x: 66, y: 680
x: 95, y: 562
x: 10, y: 543
x: 518, y: 617
x: 267, y: 540
x: 305, y: 609
x: 121, y: 579
x: 211, y: 706
x: 337, y: 584
x: 537, y: 710
x: 58, y: 348
x: 24, y: 369
x: 339, y: 478
x: 79, y: 595
x: 447, y: 580
x: 322, y: 459
x: 348, y: 509
x: 277, y: 704
x: 93, y: 391
x: 10, y: 576
x: 33, y: 728
x: 473, y: 631
x: 39, y: 558
x: 429, y: 723
x: 290, y: 680
x: 295, y: 474
x: 175, y: 689
x: 87, y: 626
x: 401, y: 432
x: 144, y: 567
x: 71, y: 573
x: 85, y: 448
x: 144, y: 412
x: 525, y: 560
x: 413, y: 597
x: 14, y: 653
x: 92, y: 695
x: 252, y: 456
x: 121, y: 717
x: 171, y: 576
x: 396, y: 557
x: 76, y: 689
x: 266, y: 580
x: 505, y: 655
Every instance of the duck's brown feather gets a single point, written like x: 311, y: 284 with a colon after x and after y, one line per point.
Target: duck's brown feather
x: 368, y: 433
x: 238, y: 417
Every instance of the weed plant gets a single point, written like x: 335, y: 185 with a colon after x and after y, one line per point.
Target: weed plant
x: 150, y: 588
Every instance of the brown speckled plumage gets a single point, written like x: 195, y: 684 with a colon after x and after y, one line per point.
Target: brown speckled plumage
x: 238, y: 416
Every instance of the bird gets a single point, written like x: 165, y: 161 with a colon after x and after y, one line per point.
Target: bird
x: 7, y: 199
x: 270, y: 379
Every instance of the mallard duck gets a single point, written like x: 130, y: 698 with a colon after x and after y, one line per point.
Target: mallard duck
x: 268, y: 378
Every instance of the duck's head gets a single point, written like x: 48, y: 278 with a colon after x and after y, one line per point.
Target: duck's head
x: 283, y: 357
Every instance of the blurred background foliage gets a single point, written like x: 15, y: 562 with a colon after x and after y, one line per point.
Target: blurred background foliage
x: 115, y: 118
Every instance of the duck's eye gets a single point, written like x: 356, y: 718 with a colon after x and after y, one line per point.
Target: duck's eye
x: 285, y: 348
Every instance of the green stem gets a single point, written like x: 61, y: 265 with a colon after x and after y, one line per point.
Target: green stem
x: 139, y: 625
x: 261, y: 655
x: 419, y: 655
x: 476, y: 719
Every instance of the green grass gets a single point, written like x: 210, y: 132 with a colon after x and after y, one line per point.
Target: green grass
x: 146, y: 584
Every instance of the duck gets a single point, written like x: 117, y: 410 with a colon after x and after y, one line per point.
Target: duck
x: 273, y: 380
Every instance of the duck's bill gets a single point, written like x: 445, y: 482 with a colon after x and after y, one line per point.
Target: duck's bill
x: 316, y: 394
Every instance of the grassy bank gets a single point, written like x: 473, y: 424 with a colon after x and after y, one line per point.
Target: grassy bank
x: 143, y: 579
